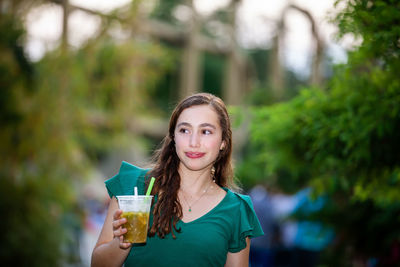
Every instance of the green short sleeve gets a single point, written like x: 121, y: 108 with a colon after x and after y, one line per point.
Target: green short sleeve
x: 247, y: 225
x: 124, y: 182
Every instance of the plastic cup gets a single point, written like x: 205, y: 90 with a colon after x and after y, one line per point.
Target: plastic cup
x: 136, y: 210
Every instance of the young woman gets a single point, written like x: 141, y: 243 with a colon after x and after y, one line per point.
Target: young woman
x: 196, y: 219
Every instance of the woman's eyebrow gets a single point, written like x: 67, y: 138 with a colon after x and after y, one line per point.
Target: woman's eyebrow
x: 208, y: 125
x: 201, y: 125
x: 183, y: 124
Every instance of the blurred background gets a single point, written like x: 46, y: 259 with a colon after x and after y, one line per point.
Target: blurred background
x: 313, y: 91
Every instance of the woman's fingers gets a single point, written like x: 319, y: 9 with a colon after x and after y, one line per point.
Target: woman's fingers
x: 119, y: 232
x: 117, y: 214
x: 118, y: 223
x: 122, y: 244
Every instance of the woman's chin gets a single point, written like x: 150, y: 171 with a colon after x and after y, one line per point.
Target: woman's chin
x: 197, y: 167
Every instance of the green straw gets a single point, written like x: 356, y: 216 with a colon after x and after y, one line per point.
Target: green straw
x: 150, y: 186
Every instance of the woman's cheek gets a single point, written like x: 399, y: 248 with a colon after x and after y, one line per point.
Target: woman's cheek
x: 214, y: 144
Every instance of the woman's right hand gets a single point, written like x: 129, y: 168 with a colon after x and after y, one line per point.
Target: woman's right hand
x: 118, y: 230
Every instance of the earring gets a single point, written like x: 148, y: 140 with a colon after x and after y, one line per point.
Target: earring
x: 213, y: 172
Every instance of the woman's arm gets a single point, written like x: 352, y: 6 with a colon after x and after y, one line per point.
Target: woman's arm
x: 110, y: 249
x: 239, y: 259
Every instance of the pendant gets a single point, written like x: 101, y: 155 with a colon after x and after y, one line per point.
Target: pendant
x: 190, y: 209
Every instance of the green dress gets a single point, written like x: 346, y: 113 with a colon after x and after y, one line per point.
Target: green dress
x: 202, y: 242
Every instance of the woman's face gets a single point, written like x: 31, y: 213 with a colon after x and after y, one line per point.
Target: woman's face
x: 198, y: 137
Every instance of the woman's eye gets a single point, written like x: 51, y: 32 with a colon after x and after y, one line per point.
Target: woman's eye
x: 183, y: 130
x: 207, y: 132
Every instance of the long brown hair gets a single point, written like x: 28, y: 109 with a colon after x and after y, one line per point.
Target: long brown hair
x: 167, y: 210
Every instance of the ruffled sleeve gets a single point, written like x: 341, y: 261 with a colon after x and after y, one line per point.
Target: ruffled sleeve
x: 124, y: 182
x: 247, y: 225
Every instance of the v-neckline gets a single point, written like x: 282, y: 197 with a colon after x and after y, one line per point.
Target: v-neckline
x: 208, y: 212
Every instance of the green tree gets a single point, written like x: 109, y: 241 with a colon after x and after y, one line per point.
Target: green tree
x: 58, y: 117
x: 344, y: 142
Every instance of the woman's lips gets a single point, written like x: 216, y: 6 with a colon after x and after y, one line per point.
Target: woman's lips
x: 194, y: 155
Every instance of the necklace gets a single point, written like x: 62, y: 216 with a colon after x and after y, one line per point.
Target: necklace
x: 191, y: 205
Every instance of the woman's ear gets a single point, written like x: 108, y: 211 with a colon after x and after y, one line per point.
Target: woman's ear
x: 222, y: 146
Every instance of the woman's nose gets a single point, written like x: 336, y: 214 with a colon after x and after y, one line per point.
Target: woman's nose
x: 194, y: 140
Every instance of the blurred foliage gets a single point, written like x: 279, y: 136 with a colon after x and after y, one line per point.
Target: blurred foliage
x: 29, y: 207
x: 58, y: 118
x: 213, y: 74
x: 105, y: 85
x: 343, y: 142
x: 377, y: 24
x: 262, y: 92
x: 164, y: 10
x: 166, y: 91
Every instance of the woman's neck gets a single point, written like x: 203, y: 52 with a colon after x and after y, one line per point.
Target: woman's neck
x: 194, y: 182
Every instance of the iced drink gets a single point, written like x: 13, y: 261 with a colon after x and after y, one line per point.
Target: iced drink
x: 136, y: 210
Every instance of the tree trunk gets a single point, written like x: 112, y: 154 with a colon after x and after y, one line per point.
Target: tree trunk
x: 64, y: 36
x: 190, y: 72
x: 234, y: 77
x: 315, y: 75
x: 275, y: 68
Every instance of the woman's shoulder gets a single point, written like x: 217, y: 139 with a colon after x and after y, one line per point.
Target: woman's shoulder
x: 126, y: 179
x: 239, y: 198
x: 127, y: 167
